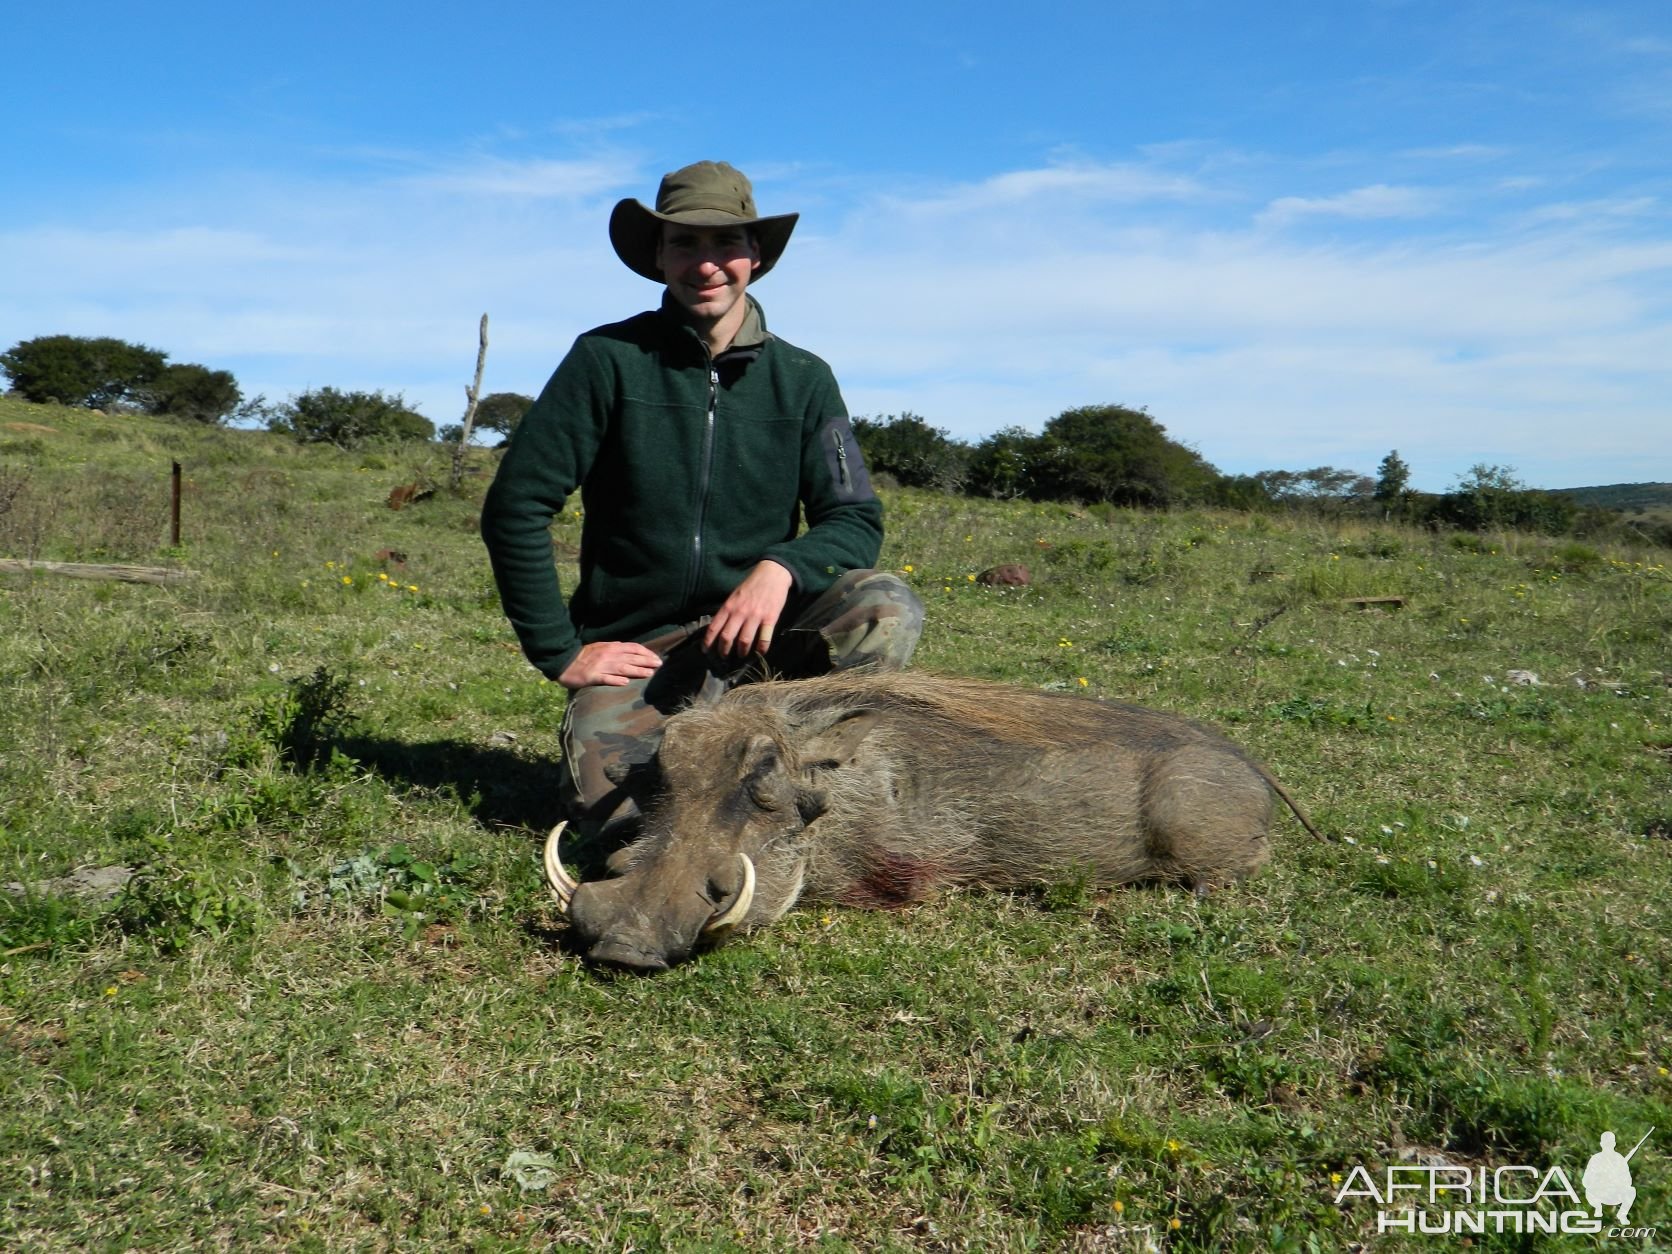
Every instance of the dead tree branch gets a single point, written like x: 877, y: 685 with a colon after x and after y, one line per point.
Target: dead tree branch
x: 84, y: 570
x: 474, y: 394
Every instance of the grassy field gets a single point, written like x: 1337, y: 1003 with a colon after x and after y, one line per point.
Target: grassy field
x: 334, y: 1009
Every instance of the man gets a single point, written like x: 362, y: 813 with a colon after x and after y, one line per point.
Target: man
x: 697, y: 440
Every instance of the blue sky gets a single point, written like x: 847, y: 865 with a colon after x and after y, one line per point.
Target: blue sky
x: 1299, y: 233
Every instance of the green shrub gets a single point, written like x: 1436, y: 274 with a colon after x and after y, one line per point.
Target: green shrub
x: 916, y: 454
x: 170, y: 904
x: 349, y: 419
x: 193, y: 392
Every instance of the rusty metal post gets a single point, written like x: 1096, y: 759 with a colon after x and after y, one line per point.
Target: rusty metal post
x: 174, y: 515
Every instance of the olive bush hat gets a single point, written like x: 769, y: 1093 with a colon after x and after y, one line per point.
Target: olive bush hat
x: 709, y: 193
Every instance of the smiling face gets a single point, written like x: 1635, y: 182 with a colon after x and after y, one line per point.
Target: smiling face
x: 707, y: 270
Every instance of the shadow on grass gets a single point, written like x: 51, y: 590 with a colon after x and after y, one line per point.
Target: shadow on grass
x: 500, y: 787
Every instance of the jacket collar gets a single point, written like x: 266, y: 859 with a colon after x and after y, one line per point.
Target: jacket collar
x: 750, y: 336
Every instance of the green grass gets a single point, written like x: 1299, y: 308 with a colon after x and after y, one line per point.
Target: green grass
x: 334, y: 1002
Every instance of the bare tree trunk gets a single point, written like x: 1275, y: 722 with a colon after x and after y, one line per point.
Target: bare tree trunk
x: 474, y: 394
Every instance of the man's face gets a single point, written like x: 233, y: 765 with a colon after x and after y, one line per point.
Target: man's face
x: 707, y: 268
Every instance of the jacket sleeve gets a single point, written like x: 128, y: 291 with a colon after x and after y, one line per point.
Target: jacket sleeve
x: 548, y: 458
x: 844, y: 516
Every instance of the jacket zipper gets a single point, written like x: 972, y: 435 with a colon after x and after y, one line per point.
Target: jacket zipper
x: 841, y: 456
x: 703, y: 483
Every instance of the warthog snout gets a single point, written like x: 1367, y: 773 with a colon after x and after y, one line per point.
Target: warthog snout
x: 622, y: 927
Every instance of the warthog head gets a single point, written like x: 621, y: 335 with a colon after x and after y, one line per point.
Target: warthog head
x: 723, y: 842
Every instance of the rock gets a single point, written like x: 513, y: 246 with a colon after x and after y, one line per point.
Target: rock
x: 87, y: 881
x: 1009, y: 575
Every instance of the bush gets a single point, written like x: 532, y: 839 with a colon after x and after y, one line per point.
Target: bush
x: 501, y: 411
x: 349, y: 419
x: 193, y: 392
x: 75, y: 370
x: 1001, y: 465
x: 1120, y: 455
x: 916, y: 454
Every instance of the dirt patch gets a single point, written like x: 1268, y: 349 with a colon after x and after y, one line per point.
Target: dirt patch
x: 29, y: 427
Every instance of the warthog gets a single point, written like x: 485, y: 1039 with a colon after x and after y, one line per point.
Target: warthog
x: 878, y: 789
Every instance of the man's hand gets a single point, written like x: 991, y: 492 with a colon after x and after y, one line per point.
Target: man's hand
x: 610, y: 664
x: 745, y: 623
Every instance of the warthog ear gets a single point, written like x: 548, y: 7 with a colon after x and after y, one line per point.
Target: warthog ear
x: 837, y: 744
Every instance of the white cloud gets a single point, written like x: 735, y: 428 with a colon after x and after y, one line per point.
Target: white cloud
x: 1458, y: 152
x: 530, y: 179
x: 1061, y: 189
x: 1542, y: 340
x: 1376, y: 201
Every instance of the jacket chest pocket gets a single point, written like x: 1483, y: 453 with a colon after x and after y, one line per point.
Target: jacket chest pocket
x: 760, y: 459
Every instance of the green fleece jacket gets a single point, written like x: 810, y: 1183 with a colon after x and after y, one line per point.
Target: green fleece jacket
x: 690, y: 470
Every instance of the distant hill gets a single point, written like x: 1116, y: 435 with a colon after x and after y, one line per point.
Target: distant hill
x: 1628, y: 498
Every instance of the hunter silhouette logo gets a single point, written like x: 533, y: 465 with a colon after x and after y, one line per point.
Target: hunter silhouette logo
x: 1607, y: 1177
x: 1448, y: 1200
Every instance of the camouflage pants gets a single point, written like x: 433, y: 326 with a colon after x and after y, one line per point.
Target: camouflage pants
x: 867, y: 618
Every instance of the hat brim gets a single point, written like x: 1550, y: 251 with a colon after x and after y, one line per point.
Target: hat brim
x: 636, y: 229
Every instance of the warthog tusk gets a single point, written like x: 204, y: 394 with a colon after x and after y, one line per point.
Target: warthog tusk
x: 557, y: 879
x: 745, y: 896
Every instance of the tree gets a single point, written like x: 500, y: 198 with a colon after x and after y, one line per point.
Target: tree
x: 193, y: 392
x: 502, y: 411
x: 1393, y: 479
x: 1488, y: 478
x: 349, y: 419
x: 1117, y: 454
x: 1244, y: 492
x: 1002, y: 465
x: 75, y: 370
x: 1490, y: 497
x: 916, y: 454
